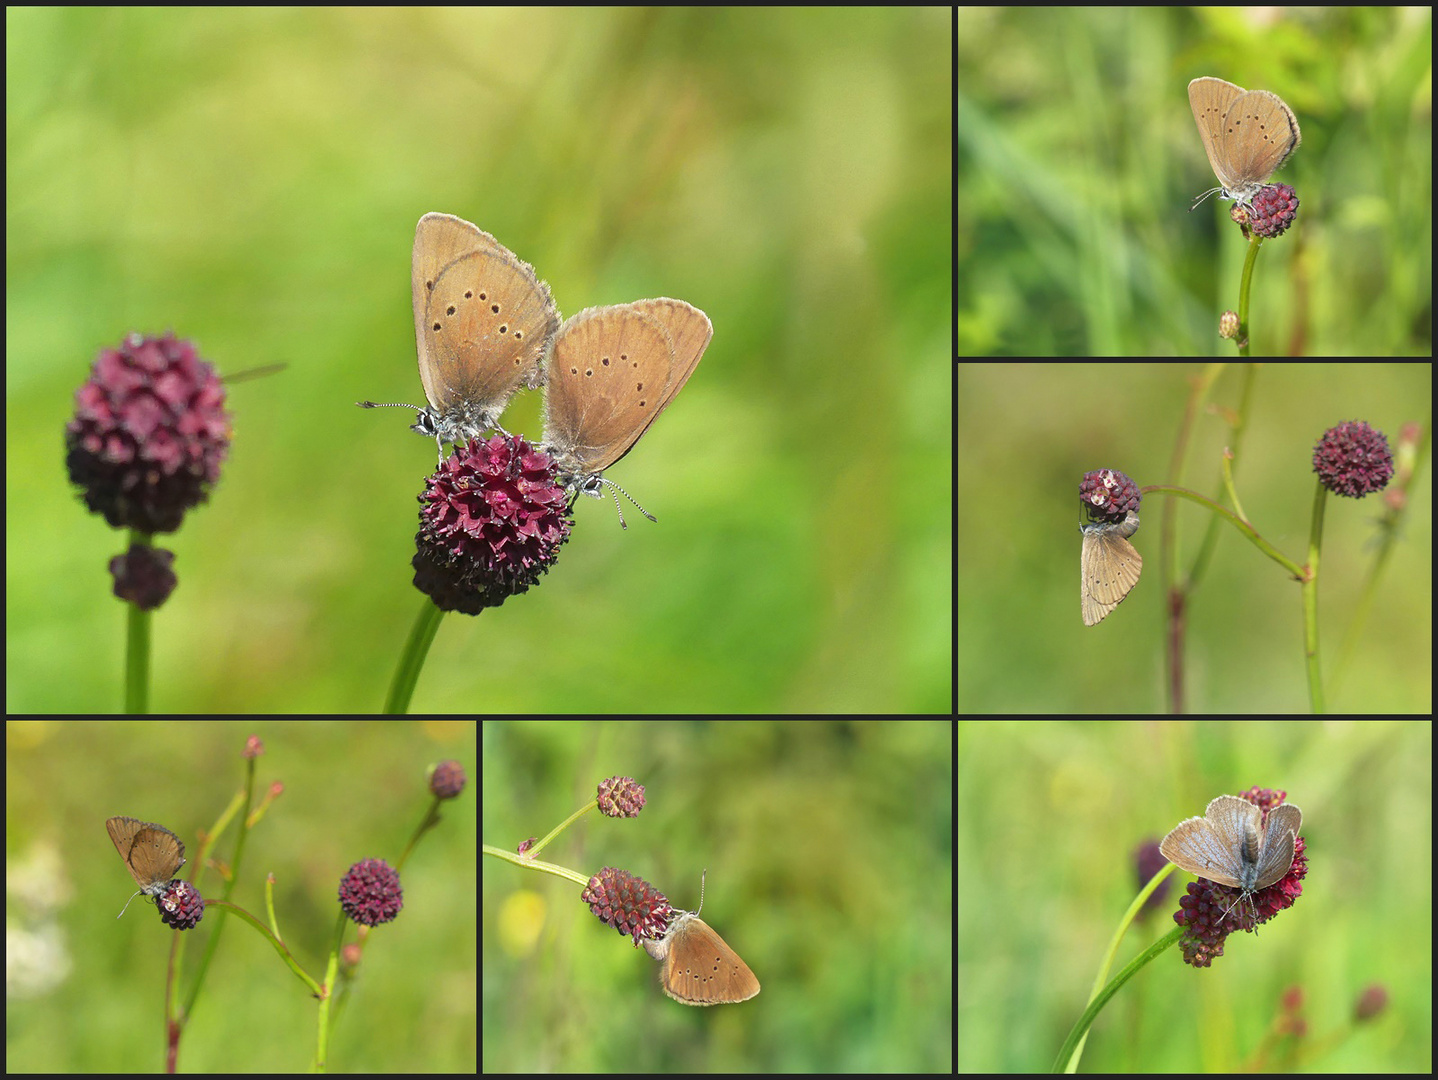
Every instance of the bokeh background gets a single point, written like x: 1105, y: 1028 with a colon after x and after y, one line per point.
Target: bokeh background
x: 87, y: 993
x: 829, y: 849
x: 1078, y: 158
x: 1027, y: 433
x: 252, y: 178
x: 1050, y: 817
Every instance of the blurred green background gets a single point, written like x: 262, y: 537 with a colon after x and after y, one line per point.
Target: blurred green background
x: 252, y: 179
x: 1078, y: 158
x: 86, y: 993
x: 829, y: 851
x: 1050, y: 816
x: 1029, y: 432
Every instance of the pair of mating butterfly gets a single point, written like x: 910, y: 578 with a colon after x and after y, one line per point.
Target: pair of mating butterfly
x: 485, y: 327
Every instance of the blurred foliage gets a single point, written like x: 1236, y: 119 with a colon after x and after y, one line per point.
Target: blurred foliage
x: 88, y: 993
x: 1031, y: 431
x: 251, y: 178
x: 1078, y: 157
x: 828, y: 847
x: 1052, y: 819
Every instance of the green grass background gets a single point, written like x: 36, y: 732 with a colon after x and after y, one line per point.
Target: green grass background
x: 91, y: 993
x: 829, y: 849
x: 1050, y: 816
x: 1078, y: 159
x: 1027, y: 435
x: 252, y: 179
